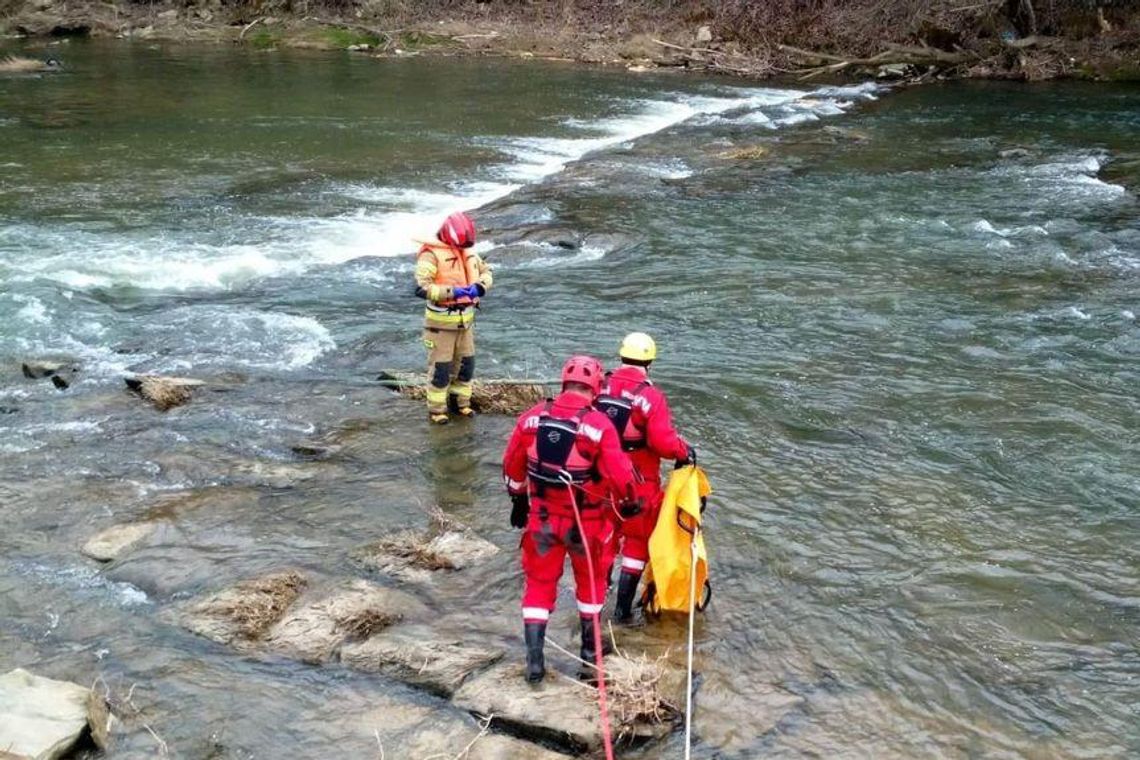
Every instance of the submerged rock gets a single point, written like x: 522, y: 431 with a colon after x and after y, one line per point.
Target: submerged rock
x: 846, y: 133
x: 164, y: 392
x: 61, y: 373
x: 417, y: 655
x: 315, y: 449
x: 314, y: 632
x: 113, y: 542
x: 720, y: 705
x: 43, y: 719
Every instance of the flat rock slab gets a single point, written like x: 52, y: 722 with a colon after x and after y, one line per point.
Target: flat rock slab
x: 315, y: 629
x: 446, y: 742
x: 558, y: 710
x: 419, y: 656
x: 42, y: 718
x: 416, y: 557
x: 245, y: 611
x: 112, y: 543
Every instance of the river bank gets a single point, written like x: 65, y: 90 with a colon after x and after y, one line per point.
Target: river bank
x: 948, y: 45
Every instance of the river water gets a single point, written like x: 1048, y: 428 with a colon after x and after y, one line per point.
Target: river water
x: 905, y: 342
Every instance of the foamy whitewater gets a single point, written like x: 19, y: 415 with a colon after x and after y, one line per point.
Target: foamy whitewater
x: 388, y: 219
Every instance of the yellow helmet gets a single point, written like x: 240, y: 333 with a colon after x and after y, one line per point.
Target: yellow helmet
x: 639, y: 347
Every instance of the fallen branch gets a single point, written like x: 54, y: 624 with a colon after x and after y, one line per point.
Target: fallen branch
x: 249, y: 26
x: 688, y: 49
x: 693, y: 56
x: 894, y: 54
x: 813, y: 54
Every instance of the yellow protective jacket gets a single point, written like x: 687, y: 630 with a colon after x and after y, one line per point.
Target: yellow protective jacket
x: 440, y: 269
x: 669, y: 574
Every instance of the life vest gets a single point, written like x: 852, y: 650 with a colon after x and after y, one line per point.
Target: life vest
x: 453, y: 269
x: 676, y: 541
x: 554, y: 455
x: 619, y: 408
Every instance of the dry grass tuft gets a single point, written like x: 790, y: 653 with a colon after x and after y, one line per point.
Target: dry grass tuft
x: 747, y: 153
x: 362, y: 623
x: 410, y: 546
x: 634, y: 688
x: 256, y: 604
x: 498, y: 398
x: 164, y: 392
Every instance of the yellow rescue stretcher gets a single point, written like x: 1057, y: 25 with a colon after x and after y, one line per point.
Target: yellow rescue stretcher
x: 672, y: 554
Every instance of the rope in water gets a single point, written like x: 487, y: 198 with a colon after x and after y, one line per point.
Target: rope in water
x: 689, y: 662
x: 607, y: 738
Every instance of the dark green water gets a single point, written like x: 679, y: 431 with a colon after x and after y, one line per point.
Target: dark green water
x: 910, y: 363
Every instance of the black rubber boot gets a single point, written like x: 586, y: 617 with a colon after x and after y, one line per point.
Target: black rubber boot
x: 587, y: 650
x: 535, y: 636
x: 627, y: 590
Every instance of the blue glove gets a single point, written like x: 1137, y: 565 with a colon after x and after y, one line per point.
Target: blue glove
x: 466, y: 291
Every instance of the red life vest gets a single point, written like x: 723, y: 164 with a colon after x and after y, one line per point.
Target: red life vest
x: 619, y: 408
x: 554, y: 456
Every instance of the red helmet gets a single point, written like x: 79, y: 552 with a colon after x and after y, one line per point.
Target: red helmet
x: 585, y: 370
x: 458, y: 231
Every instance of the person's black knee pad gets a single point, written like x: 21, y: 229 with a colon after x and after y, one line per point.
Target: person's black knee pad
x: 441, y: 375
x: 466, y: 369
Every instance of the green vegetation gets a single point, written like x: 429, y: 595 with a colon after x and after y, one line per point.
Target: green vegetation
x: 339, y: 37
x: 263, y: 39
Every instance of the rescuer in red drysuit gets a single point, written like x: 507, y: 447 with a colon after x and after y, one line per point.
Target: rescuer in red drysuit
x: 640, y: 413
x: 556, y: 441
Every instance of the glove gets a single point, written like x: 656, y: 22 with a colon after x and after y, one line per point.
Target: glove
x: 629, y: 508
x: 690, y: 458
x: 520, y: 509
x: 465, y: 291
x: 480, y: 291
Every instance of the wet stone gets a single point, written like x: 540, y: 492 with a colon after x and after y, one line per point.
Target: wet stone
x: 558, y: 711
x: 43, y: 719
x: 112, y: 543
x: 314, y: 449
x: 40, y: 369
x: 415, y: 557
x: 164, y: 392
x: 243, y: 612
x: 419, y: 656
x: 315, y: 630
x: 434, y: 741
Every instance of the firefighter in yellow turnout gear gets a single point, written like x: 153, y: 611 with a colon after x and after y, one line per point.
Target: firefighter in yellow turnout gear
x: 451, y: 279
